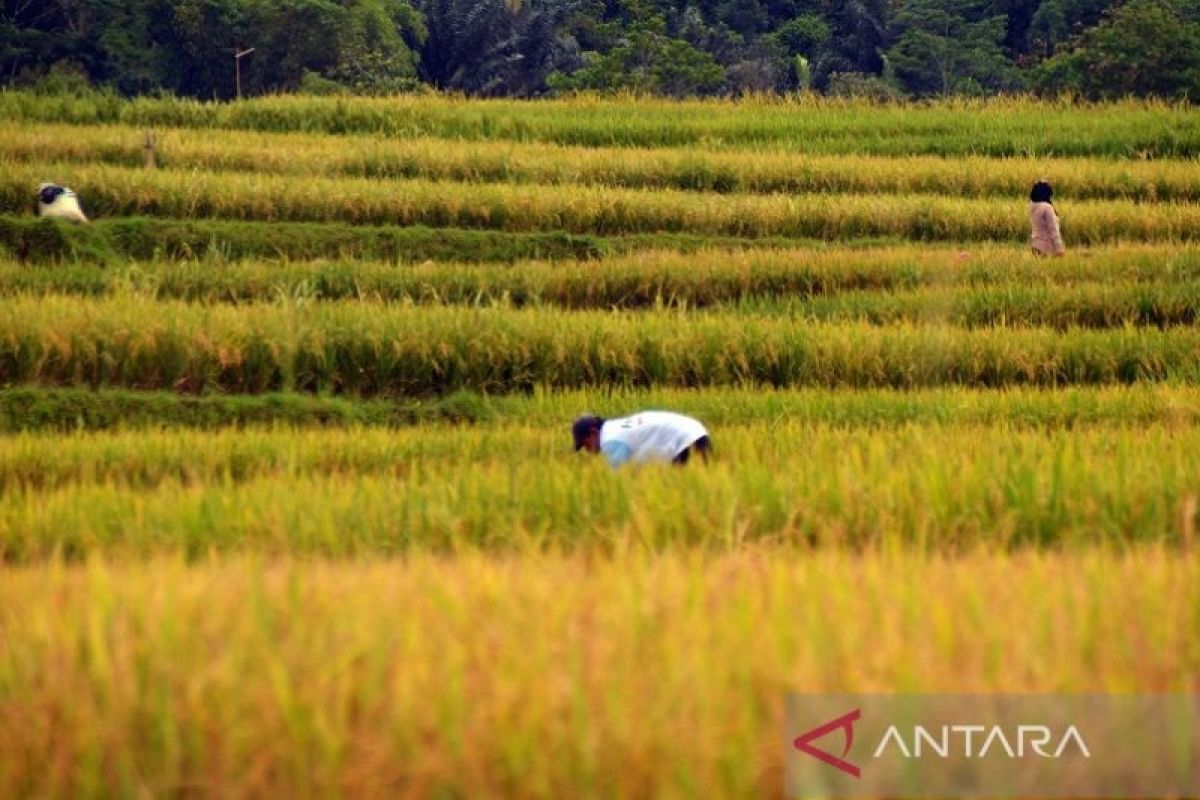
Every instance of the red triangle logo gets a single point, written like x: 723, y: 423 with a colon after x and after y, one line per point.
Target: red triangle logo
x: 804, y: 742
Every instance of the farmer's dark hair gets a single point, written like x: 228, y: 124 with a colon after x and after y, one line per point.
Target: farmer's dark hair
x: 583, y: 427
x: 1041, y: 193
x: 50, y: 193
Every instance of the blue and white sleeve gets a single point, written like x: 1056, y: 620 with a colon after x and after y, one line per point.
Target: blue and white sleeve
x: 616, y: 452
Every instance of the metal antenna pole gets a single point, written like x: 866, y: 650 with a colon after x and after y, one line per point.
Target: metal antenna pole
x: 237, y: 66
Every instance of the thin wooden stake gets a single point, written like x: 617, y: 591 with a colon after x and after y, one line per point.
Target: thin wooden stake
x: 150, y: 148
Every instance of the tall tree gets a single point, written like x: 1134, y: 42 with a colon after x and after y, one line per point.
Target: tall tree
x: 1018, y: 16
x: 1056, y: 22
x: 804, y: 35
x: 376, y: 55
x: 747, y: 17
x: 1145, y: 47
x: 947, y: 47
x: 487, y: 46
x: 648, y: 59
x: 859, y: 38
x: 38, y: 33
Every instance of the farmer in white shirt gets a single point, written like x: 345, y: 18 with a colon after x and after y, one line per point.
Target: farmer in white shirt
x: 647, y: 436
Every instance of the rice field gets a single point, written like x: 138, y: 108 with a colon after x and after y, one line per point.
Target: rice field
x: 764, y: 171
x: 939, y: 490
x: 288, y: 504
x: 997, y: 127
x: 544, y: 674
x: 584, y: 209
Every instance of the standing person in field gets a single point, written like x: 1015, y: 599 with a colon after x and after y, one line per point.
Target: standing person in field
x: 1046, y: 237
x: 646, y: 436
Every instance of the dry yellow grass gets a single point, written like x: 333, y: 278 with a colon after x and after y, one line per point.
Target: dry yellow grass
x: 536, y: 676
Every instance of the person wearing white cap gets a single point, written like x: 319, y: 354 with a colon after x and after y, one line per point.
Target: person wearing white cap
x: 59, y: 202
x: 647, y: 436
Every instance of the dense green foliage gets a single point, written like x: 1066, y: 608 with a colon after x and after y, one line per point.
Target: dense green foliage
x: 669, y: 47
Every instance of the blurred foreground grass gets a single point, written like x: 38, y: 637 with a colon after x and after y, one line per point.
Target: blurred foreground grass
x: 536, y: 676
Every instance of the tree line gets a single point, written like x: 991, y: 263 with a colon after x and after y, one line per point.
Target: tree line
x: 679, y: 48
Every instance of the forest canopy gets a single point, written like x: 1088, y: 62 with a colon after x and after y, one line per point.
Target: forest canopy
x: 677, y: 48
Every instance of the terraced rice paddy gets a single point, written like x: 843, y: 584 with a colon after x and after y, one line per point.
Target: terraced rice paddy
x: 289, y: 504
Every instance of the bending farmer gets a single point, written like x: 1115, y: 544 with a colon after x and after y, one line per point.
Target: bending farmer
x: 647, y: 436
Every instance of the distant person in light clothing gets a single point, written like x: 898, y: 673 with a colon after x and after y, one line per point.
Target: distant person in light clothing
x: 648, y: 436
x: 1046, y: 237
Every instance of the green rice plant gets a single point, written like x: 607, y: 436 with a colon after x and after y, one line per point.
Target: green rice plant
x: 43, y: 241
x: 308, y: 155
x: 996, y: 286
x: 999, y: 127
x: 32, y: 408
x: 644, y: 279
x: 120, y: 191
x: 30, y: 240
x: 367, y: 350
x: 367, y: 493
x: 1097, y: 305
